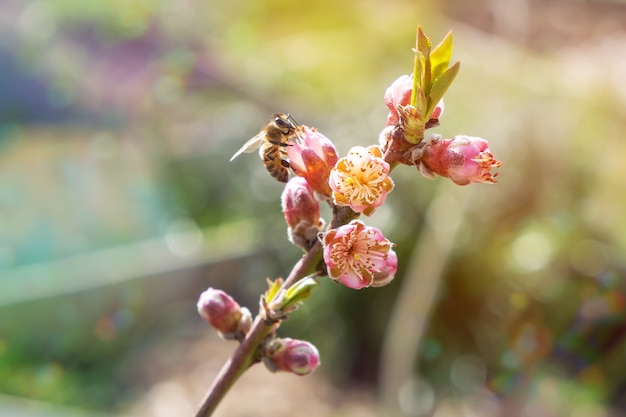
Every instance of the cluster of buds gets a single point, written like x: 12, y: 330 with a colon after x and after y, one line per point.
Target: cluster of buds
x: 415, y: 104
x: 356, y: 255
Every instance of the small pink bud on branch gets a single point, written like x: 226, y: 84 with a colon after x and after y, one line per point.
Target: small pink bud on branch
x: 290, y: 355
x: 224, y: 314
x: 302, y: 213
x: 463, y: 159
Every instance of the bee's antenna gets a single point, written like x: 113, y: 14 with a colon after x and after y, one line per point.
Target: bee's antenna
x: 292, y: 120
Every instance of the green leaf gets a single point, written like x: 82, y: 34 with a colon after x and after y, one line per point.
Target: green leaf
x: 273, y: 288
x: 423, y: 43
x: 440, y: 56
x: 299, y: 292
x: 417, y: 76
x: 421, y: 102
x: 440, y: 86
x: 424, y: 46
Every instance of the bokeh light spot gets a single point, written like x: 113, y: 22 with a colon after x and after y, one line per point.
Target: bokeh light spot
x: 468, y: 374
x: 37, y: 23
x: 430, y: 349
x: 183, y: 237
x: 416, y: 397
x: 530, y: 252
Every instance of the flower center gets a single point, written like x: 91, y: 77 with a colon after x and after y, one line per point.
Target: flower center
x: 359, y: 252
x: 362, y: 179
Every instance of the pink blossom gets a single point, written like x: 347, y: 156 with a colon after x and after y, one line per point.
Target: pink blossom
x: 296, y: 356
x: 359, y: 256
x: 312, y: 157
x: 463, y: 159
x: 361, y: 180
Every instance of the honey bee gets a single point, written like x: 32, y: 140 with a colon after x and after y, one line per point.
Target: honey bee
x: 273, y: 140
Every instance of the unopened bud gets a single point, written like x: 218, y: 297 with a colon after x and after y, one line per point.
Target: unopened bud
x: 302, y: 213
x: 296, y: 356
x: 463, y: 159
x: 221, y: 311
x: 312, y: 158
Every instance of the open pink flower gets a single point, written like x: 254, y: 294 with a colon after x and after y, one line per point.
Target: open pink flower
x: 361, y: 180
x: 312, y: 157
x: 463, y: 159
x: 358, y: 255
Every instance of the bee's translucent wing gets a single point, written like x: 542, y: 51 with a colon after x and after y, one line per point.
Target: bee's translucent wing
x: 250, y: 145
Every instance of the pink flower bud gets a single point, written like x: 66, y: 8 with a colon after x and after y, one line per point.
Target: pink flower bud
x: 399, y: 94
x: 463, y: 159
x: 220, y: 310
x: 291, y: 355
x: 359, y: 256
x: 312, y: 158
x: 302, y: 213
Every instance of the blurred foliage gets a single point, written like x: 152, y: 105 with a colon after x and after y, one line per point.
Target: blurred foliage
x: 117, y: 120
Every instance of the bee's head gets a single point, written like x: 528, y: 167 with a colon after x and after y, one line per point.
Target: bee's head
x: 285, y: 122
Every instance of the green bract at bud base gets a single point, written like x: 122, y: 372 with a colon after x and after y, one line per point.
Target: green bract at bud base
x: 277, y: 303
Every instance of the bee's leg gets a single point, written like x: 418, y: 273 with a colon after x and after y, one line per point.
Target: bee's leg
x: 285, y: 163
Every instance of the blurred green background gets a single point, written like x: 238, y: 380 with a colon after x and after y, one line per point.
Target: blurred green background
x: 118, y: 204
